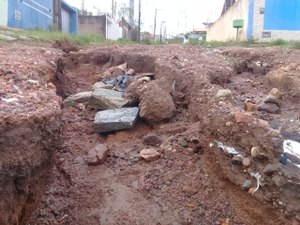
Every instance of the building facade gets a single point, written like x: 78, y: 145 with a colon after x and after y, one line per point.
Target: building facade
x: 100, y: 25
x: 37, y: 14
x: 263, y: 20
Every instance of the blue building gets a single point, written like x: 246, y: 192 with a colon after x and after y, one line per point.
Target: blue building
x: 32, y: 14
x: 263, y: 20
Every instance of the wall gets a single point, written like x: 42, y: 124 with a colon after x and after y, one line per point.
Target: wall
x: 30, y: 14
x: 69, y: 18
x: 3, y: 12
x: 114, y: 31
x: 222, y: 29
x: 281, y: 19
x: 92, y: 25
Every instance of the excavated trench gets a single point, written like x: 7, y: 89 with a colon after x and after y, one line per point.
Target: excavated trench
x: 196, y: 180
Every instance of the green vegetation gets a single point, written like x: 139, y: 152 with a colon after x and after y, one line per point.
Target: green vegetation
x: 279, y: 42
x: 41, y: 36
x: 252, y: 43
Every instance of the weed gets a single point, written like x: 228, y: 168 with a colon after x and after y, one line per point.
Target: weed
x: 279, y: 42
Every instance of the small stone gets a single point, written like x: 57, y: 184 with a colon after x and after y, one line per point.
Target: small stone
x: 250, y: 106
x: 182, y: 142
x: 238, y: 159
x: 251, y: 190
x: 97, y: 155
x: 150, y: 154
x: 228, y: 124
x: 246, y: 185
x: 152, y: 139
x: 243, y: 117
x: 276, y: 93
x: 223, y: 94
x: 269, y: 108
x: 79, y: 160
x: 255, y: 151
x: 189, y: 190
x: 271, y: 168
x: 246, y: 162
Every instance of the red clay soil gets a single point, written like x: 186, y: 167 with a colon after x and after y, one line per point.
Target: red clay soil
x: 193, y: 182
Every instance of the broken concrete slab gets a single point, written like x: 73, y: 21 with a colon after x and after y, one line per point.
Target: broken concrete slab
x: 116, y: 119
x: 108, y: 99
x: 97, y: 155
x: 98, y: 85
x: 81, y: 97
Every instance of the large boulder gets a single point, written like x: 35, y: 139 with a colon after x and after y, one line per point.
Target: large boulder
x: 116, y: 119
x: 108, y: 99
x: 156, y: 104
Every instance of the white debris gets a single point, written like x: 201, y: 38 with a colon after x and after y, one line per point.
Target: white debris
x: 34, y: 82
x: 257, y: 176
x: 229, y: 150
x: 9, y: 100
x: 292, y: 147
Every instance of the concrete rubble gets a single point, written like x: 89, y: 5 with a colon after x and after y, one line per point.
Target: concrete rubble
x: 115, y: 119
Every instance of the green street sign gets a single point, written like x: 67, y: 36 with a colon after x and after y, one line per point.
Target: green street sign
x: 238, y: 23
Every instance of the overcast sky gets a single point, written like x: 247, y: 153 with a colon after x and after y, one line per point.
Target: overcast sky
x: 180, y: 15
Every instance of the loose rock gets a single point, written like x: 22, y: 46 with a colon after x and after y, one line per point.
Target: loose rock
x: 242, y: 117
x: 81, y: 97
x: 150, y: 154
x: 246, y: 185
x: 246, y: 162
x: 189, y: 190
x: 100, y: 85
x: 182, y: 142
x: 269, y: 108
x: 152, y: 139
x: 116, y: 119
x: 97, y: 155
x: 224, y: 94
x: 108, y: 99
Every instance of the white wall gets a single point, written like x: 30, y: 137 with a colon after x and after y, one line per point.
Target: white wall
x: 114, y: 32
x: 222, y: 29
x: 3, y: 12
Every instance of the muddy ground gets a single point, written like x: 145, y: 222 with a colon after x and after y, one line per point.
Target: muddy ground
x: 194, y: 182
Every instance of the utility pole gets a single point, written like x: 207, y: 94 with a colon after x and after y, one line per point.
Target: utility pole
x: 139, y: 29
x: 160, y: 36
x: 112, y: 9
x: 154, y: 31
x: 57, y: 14
x: 131, y: 13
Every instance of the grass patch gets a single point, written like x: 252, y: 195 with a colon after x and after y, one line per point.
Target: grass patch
x: 296, y: 45
x: 279, y: 42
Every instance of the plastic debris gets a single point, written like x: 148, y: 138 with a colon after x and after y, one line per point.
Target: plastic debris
x: 257, y: 176
x: 120, y: 82
x: 228, y: 150
x: 9, y: 100
x: 293, y: 148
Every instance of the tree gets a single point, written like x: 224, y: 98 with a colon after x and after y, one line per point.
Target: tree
x: 83, y: 11
x: 124, y: 11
